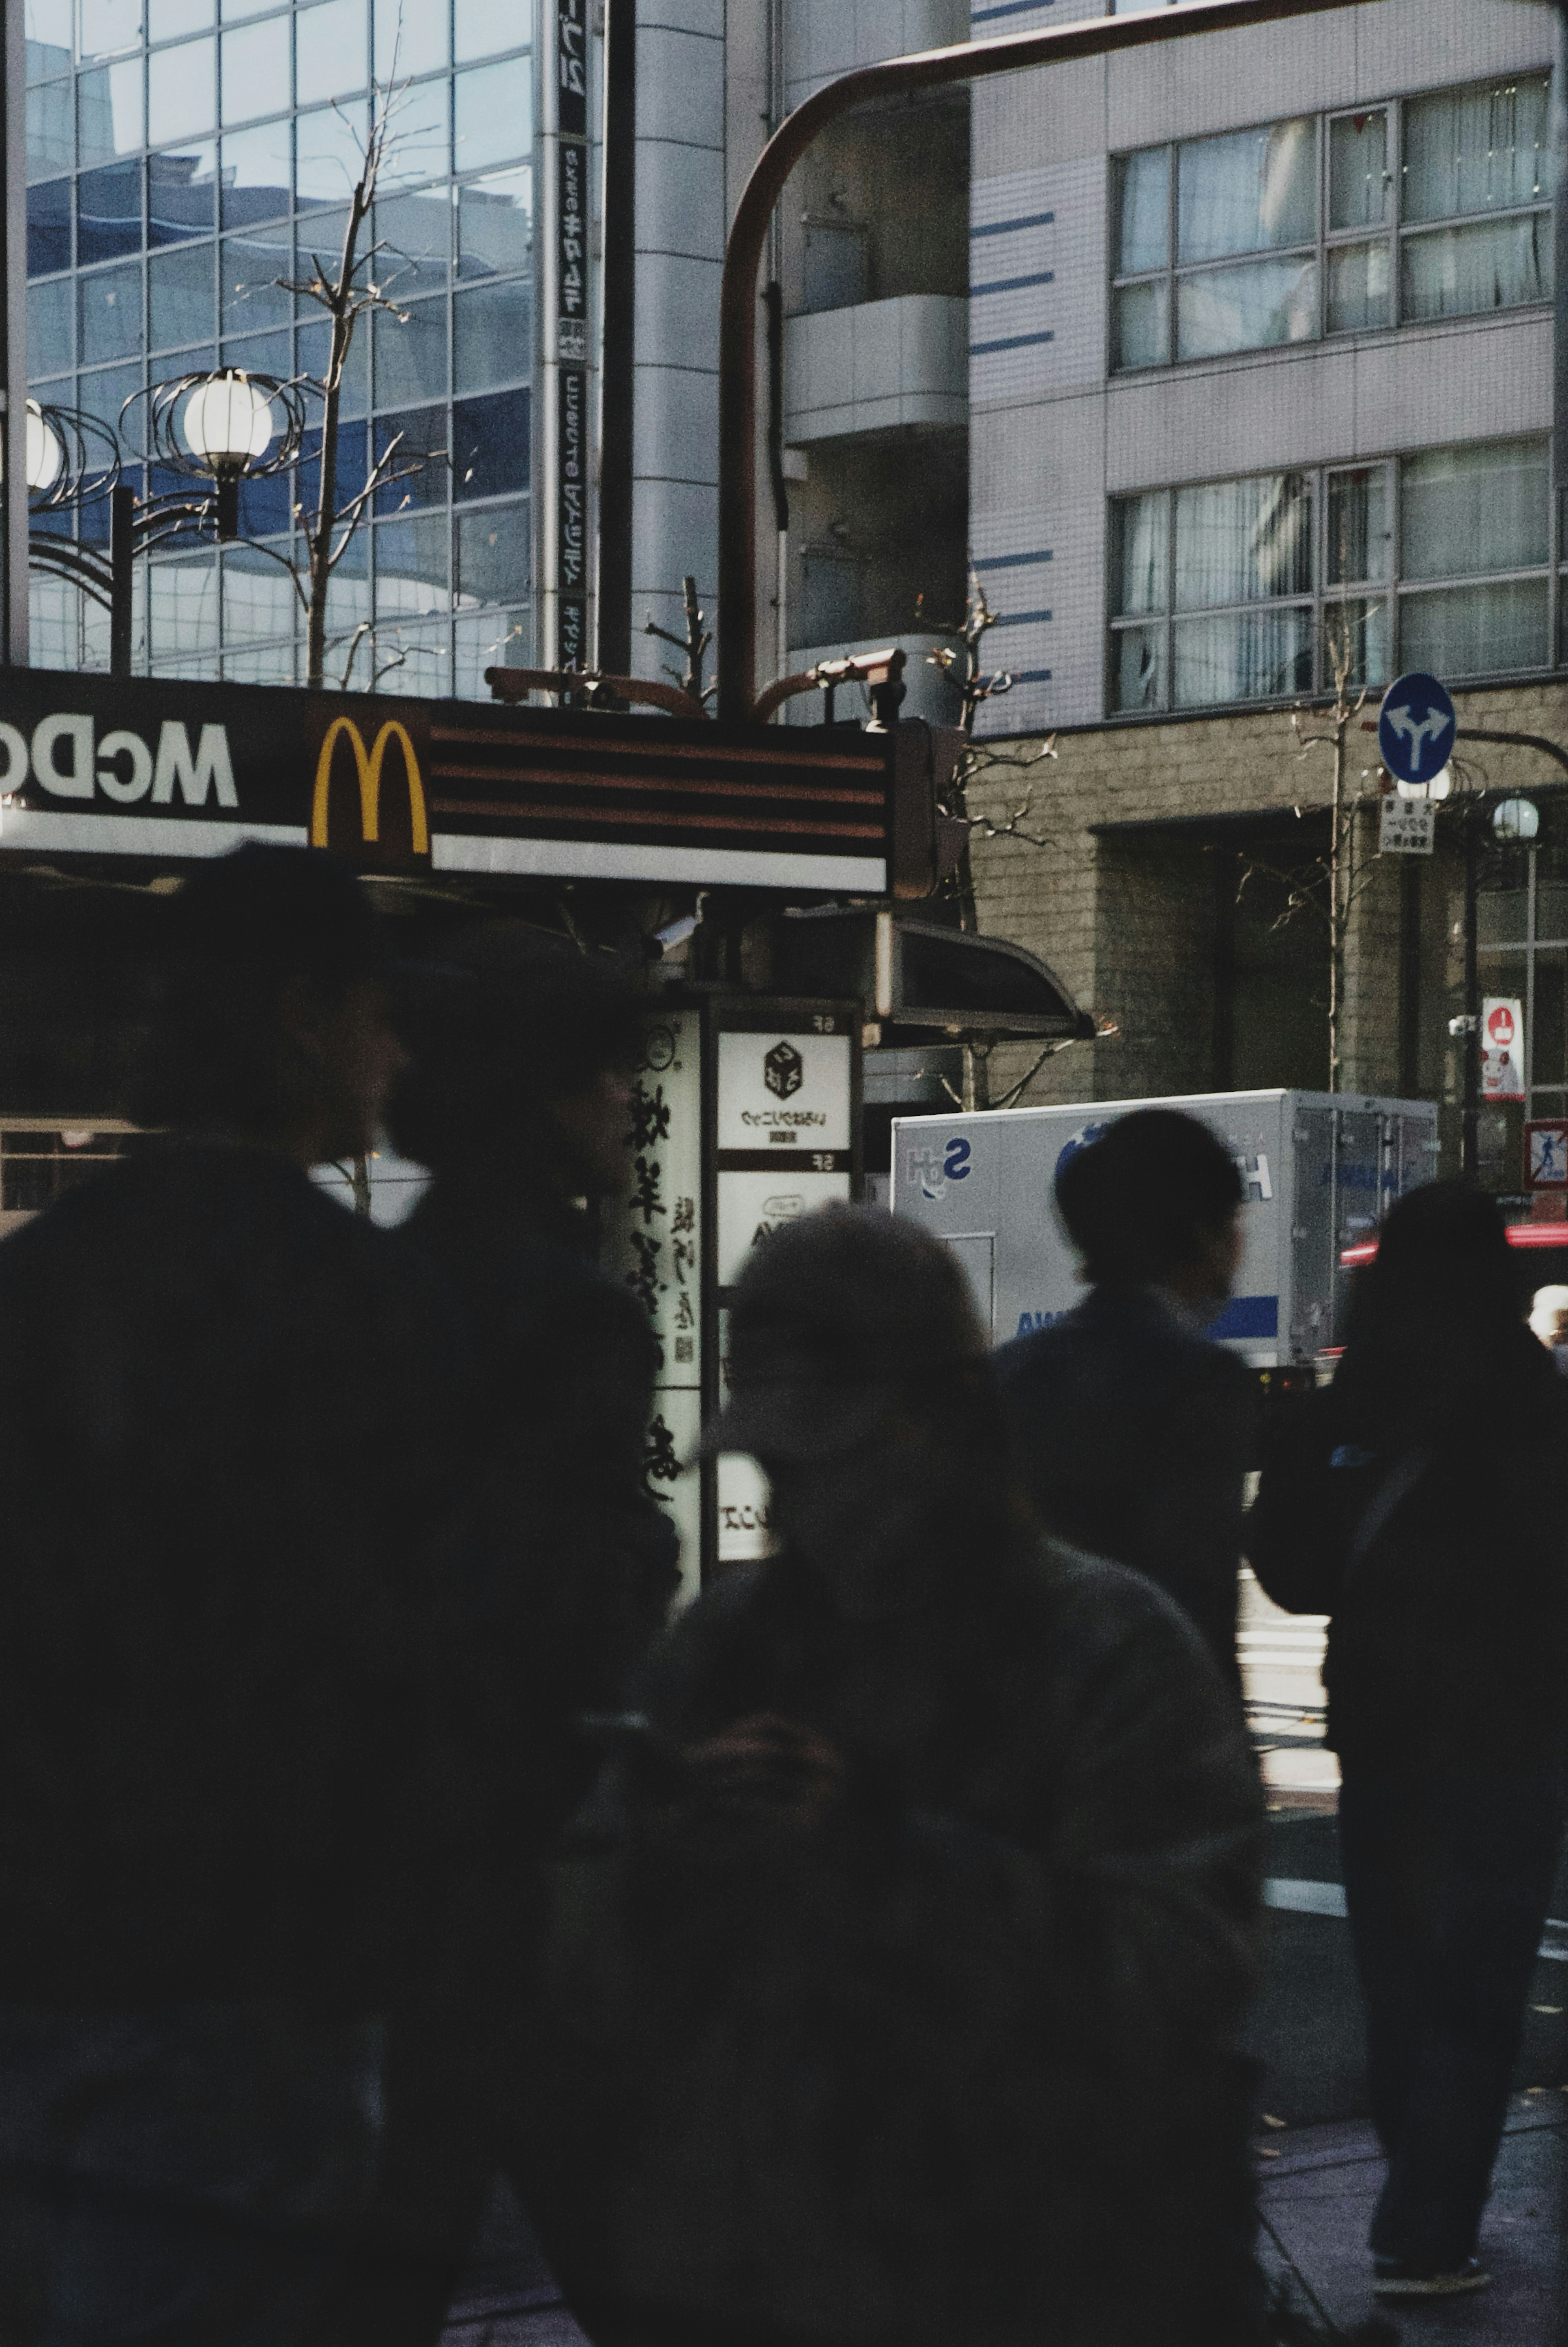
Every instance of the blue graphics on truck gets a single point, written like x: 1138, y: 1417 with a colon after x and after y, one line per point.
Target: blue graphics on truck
x: 934, y: 1168
x: 1081, y: 1140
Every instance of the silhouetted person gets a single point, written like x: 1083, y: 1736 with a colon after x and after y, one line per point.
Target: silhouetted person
x: 892, y: 1969
x: 1133, y: 1431
x: 518, y: 1099
x: 1422, y: 1502
x: 223, y: 1457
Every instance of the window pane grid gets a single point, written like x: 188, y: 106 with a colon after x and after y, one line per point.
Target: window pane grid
x: 1268, y: 587
x: 1418, y: 209
x: 133, y: 274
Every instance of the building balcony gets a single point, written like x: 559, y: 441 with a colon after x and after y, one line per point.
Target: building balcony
x: 877, y: 366
x: 826, y: 38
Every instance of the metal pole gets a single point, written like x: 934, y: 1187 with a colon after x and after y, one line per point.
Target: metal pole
x: 1470, y: 1128
x: 122, y: 569
x: 14, y: 339
x: 895, y: 77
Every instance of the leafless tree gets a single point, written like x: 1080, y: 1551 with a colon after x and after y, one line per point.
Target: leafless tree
x: 1326, y: 886
x: 695, y: 643
x: 348, y: 288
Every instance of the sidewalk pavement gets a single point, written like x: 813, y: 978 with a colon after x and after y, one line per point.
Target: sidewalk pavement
x: 1318, y: 2196
x: 1317, y: 2192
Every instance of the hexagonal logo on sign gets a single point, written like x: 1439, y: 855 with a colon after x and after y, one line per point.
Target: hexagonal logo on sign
x: 784, y: 1070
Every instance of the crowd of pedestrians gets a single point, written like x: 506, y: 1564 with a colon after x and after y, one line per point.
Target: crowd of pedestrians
x: 861, y: 1958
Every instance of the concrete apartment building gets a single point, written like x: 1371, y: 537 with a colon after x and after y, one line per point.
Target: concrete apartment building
x: 1245, y: 370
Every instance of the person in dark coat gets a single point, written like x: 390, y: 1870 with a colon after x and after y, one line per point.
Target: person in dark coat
x: 894, y: 1965
x: 226, y: 1453
x: 1422, y: 1502
x: 516, y: 1097
x: 1133, y: 1431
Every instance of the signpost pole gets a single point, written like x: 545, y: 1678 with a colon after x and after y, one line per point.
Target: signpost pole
x: 1471, y: 1114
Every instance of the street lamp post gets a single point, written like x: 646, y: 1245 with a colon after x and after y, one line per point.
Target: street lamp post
x: 218, y: 429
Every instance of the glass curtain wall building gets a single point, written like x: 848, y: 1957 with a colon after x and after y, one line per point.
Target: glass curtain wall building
x: 187, y: 159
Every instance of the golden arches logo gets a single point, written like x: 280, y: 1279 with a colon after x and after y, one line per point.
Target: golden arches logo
x: 368, y: 766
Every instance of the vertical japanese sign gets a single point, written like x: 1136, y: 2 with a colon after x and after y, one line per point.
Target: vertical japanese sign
x: 567, y: 467
x: 786, y: 1105
x: 653, y: 1240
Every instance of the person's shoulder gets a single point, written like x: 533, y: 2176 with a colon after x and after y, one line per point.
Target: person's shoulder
x: 1037, y: 1354
x: 1106, y: 1604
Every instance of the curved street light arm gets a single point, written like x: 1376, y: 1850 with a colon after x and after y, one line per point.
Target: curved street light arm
x: 895, y: 77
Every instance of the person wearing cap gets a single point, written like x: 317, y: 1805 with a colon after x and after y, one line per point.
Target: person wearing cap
x: 1133, y: 1430
x: 228, y: 1421
x: 893, y: 1964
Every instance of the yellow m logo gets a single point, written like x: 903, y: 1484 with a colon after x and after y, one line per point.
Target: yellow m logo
x: 368, y: 770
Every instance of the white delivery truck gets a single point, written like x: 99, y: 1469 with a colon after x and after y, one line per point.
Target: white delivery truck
x: 1321, y: 1170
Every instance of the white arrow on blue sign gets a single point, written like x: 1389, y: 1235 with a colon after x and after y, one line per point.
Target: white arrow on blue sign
x: 1416, y: 728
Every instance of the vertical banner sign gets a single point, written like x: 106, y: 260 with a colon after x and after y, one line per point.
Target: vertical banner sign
x: 571, y: 466
x: 653, y: 1240
x: 1503, y: 1048
x: 788, y: 1101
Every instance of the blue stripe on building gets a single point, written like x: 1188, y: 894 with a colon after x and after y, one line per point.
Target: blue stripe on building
x: 1006, y: 227
x: 1010, y: 561
x: 1022, y: 619
x: 1014, y: 284
x: 1030, y: 675
x: 1009, y: 343
x: 1009, y: 8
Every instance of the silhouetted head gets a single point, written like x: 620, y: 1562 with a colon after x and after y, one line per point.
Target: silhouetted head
x: 521, y: 1047
x: 272, y: 1021
x: 1157, y: 1198
x: 858, y: 1378
x: 1439, y: 1314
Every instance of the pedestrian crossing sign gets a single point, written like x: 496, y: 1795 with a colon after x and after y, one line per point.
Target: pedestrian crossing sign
x: 1546, y: 1154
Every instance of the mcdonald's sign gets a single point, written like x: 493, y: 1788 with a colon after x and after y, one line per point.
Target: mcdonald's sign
x: 150, y: 766
x: 352, y: 821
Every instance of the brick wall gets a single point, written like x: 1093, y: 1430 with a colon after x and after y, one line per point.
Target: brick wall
x: 1127, y: 920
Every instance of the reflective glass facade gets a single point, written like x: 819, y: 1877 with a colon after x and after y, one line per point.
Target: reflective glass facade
x: 186, y: 156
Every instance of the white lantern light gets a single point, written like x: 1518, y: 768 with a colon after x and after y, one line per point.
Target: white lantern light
x: 45, y: 456
x: 228, y: 423
x: 1516, y: 819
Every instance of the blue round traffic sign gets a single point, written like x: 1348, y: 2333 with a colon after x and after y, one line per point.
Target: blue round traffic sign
x: 1416, y: 728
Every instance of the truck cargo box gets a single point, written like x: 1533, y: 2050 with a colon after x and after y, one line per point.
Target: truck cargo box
x: 1321, y: 1170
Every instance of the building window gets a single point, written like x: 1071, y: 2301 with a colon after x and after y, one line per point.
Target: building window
x: 182, y: 160
x: 1281, y: 583
x: 1432, y: 207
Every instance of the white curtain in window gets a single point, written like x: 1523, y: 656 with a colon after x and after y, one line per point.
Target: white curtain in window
x: 1144, y: 211
x: 1357, y: 526
x: 1244, y: 541
x: 1359, y: 187
x: 1468, y: 510
x: 1453, y: 273
x: 1243, y: 656
x: 1475, y: 150
x: 1250, y: 305
x: 1250, y: 191
x: 1475, y: 630
x: 1138, y: 669
x: 1141, y: 581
